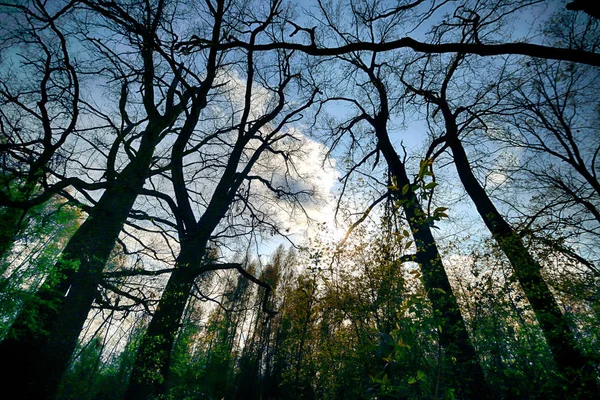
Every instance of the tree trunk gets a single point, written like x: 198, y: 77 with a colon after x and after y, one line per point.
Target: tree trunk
x: 151, y: 368
x: 468, y: 377
x: 578, y: 371
x: 45, y: 334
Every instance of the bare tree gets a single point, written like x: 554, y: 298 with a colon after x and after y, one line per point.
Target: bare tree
x: 367, y: 135
x: 427, y: 12
x: 40, y: 97
x: 460, y: 120
x: 146, y: 65
x: 230, y: 158
x: 554, y: 130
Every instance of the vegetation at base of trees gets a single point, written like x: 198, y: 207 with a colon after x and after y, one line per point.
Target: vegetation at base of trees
x: 44, y: 231
x: 353, y: 325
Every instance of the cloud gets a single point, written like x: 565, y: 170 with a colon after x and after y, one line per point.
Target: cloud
x: 306, y: 170
x: 295, y: 163
x: 496, y: 178
x: 502, y: 166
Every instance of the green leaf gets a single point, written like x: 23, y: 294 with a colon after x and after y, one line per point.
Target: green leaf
x: 412, y: 380
x: 430, y: 185
x: 405, y: 189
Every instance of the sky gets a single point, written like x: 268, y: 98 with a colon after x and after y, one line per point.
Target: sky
x: 410, y: 131
x: 314, y: 170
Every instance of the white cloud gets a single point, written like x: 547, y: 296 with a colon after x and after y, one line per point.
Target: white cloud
x: 496, y: 178
x: 308, y: 171
x: 506, y: 162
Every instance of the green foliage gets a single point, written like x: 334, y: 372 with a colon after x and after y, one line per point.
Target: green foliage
x: 36, y: 250
x: 350, y: 325
x: 420, y: 191
x: 505, y: 332
x: 93, y: 376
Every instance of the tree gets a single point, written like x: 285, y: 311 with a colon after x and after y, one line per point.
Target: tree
x: 35, y: 251
x: 372, y: 12
x: 41, y: 101
x: 231, y: 208
x: 196, y: 142
x: 374, y: 110
x: 577, y: 370
x: 257, y: 376
x: 204, y: 358
x: 165, y: 96
x: 453, y: 333
x: 554, y: 131
x: 573, y: 364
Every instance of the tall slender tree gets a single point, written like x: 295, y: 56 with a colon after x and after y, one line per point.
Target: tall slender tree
x: 453, y: 332
x: 574, y: 365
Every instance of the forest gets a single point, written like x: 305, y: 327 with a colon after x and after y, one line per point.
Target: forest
x: 281, y: 199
